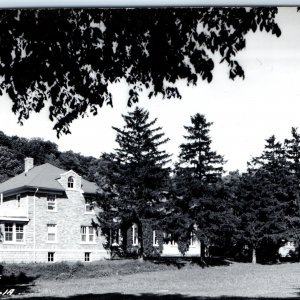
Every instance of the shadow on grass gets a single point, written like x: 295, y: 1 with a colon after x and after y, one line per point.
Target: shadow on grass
x: 181, y: 262
x: 176, y: 262
x: 20, y: 284
x: 119, y: 296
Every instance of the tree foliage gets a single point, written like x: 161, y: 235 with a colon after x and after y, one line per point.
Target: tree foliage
x: 9, y: 163
x: 14, y: 149
x: 198, y: 193
x: 292, y: 148
x: 71, y: 56
x: 269, y: 199
x: 135, y: 177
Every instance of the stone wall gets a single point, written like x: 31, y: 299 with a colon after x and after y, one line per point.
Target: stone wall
x: 68, y: 217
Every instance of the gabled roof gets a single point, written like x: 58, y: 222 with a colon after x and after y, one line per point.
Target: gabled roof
x: 43, y: 177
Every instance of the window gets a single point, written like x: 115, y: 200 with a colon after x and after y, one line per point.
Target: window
x: 169, y: 239
x: 14, y: 232
x: 134, y: 235
x: 19, y: 200
x: 116, y: 237
x: 50, y: 256
x: 193, y: 239
x: 52, y: 233
x: 87, y: 234
x: 71, y: 182
x: 89, y: 207
x: 51, y: 203
x: 8, y: 232
x: 87, y: 256
x: 19, y: 233
x: 155, y: 240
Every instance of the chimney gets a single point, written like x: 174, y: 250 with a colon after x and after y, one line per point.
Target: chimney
x: 28, y: 164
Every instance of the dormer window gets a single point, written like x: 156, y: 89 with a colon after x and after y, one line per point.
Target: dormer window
x: 71, y: 182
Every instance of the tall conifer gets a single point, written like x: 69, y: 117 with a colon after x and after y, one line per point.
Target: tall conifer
x: 136, y: 175
x: 268, y: 199
x: 198, y: 190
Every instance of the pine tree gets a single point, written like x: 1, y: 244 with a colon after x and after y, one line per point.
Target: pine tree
x: 196, y: 154
x: 136, y: 175
x: 292, y: 148
x: 268, y: 196
x: 197, y: 186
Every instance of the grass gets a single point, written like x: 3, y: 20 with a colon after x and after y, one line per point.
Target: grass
x: 132, y: 278
x: 64, y: 270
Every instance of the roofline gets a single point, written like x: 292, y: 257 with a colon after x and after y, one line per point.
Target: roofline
x: 28, y: 188
x: 90, y: 194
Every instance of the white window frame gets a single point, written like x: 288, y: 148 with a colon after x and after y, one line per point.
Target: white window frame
x: 86, y: 205
x: 155, y: 239
x: 135, y: 235
x: 53, y: 231
x: 14, y: 233
x: 71, y: 182
x: 50, y: 199
x: 85, y: 231
x: 53, y: 257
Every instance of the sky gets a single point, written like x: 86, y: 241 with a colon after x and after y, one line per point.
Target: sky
x: 122, y: 3
x: 244, y: 112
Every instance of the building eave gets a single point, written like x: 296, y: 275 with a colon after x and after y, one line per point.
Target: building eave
x: 14, y: 219
x: 26, y: 188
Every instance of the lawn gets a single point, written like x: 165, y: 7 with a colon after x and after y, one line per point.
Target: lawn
x: 190, y: 282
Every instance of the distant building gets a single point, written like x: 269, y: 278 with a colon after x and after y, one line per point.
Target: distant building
x: 46, y: 216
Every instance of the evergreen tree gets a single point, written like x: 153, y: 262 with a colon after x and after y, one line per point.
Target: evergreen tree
x: 292, y: 148
x: 135, y: 176
x: 196, y: 155
x: 197, y: 186
x: 269, y: 200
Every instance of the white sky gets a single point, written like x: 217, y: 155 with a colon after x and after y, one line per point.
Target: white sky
x: 145, y: 3
x: 244, y: 112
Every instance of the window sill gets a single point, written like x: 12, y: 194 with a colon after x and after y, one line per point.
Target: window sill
x: 14, y: 243
x: 51, y: 242
x: 51, y: 210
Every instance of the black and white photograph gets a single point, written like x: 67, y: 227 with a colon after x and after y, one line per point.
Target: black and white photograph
x: 149, y: 152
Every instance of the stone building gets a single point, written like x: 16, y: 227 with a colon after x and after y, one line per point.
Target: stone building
x: 46, y: 215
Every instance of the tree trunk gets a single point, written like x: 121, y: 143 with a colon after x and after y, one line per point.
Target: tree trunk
x: 203, y: 254
x: 141, y: 244
x: 254, y: 255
